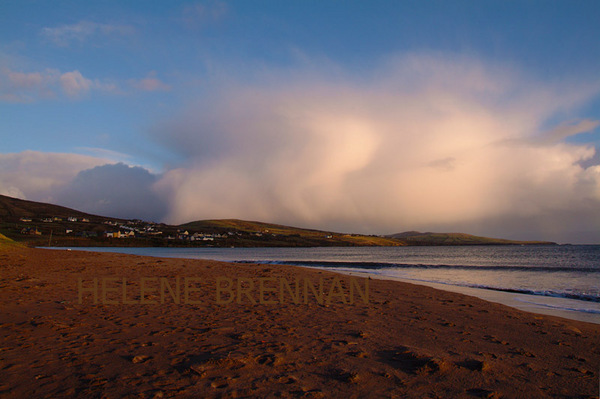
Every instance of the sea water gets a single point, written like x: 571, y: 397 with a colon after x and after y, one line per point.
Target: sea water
x: 557, y: 280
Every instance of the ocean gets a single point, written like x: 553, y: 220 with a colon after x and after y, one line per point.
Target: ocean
x: 556, y: 280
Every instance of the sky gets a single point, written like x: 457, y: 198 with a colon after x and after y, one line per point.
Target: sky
x: 371, y: 117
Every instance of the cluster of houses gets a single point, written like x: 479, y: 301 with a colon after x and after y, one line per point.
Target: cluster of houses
x: 58, y: 219
x: 138, y: 228
x: 186, y: 236
x: 130, y: 229
x: 125, y: 231
x: 133, y: 228
x: 33, y: 231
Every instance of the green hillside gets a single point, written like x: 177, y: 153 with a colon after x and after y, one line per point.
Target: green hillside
x: 418, y: 238
x: 278, y: 234
x: 6, y: 243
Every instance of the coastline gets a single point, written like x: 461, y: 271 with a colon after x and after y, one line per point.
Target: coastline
x: 543, y: 305
x: 408, y: 340
x: 539, y: 303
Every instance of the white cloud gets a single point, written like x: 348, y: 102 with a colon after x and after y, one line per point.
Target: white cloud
x: 37, y: 175
x: 427, y: 142
x: 81, y: 31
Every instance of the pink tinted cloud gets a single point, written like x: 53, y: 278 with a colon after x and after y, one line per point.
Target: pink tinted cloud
x: 426, y: 142
x: 36, y: 175
x: 150, y: 83
x: 74, y: 84
x: 18, y: 86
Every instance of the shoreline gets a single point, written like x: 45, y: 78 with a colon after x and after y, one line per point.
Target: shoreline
x: 409, y: 340
x: 538, y: 304
x: 549, y: 306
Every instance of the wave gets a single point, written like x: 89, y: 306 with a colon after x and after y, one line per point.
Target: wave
x: 375, y: 266
x: 387, y: 265
x: 555, y: 294
x: 546, y: 293
x: 592, y: 311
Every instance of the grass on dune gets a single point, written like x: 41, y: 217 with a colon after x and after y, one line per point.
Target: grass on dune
x: 7, y: 243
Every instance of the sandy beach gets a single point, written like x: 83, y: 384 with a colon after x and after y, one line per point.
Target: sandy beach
x: 241, y: 332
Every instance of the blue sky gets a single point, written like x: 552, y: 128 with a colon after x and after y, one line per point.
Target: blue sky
x: 288, y: 111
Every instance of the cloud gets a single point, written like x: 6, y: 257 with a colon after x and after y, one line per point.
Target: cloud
x: 73, y: 83
x: 37, y: 175
x: 424, y: 142
x: 91, y: 184
x: 199, y: 14
x: 113, y: 156
x: 150, y: 83
x: 26, y: 80
x: 26, y: 87
x: 116, y: 190
x: 443, y: 164
x: 81, y: 31
x: 567, y: 130
x: 16, y: 86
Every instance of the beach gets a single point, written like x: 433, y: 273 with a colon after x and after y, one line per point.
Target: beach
x: 112, y: 325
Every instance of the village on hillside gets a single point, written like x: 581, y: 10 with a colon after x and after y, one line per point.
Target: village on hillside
x: 40, y: 224
x: 81, y: 227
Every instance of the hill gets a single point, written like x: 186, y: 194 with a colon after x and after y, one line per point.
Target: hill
x: 418, y: 238
x: 14, y: 208
x: 38, y: 223
x: 45, y: 224
x: 280, y: 235
x: 42, y: 224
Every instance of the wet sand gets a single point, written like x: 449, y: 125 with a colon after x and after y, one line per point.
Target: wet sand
x: 406, y: 341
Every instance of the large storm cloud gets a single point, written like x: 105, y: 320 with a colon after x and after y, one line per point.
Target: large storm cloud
x: 422, y: 142
x: 425, y: 142
x: 116, y: 190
